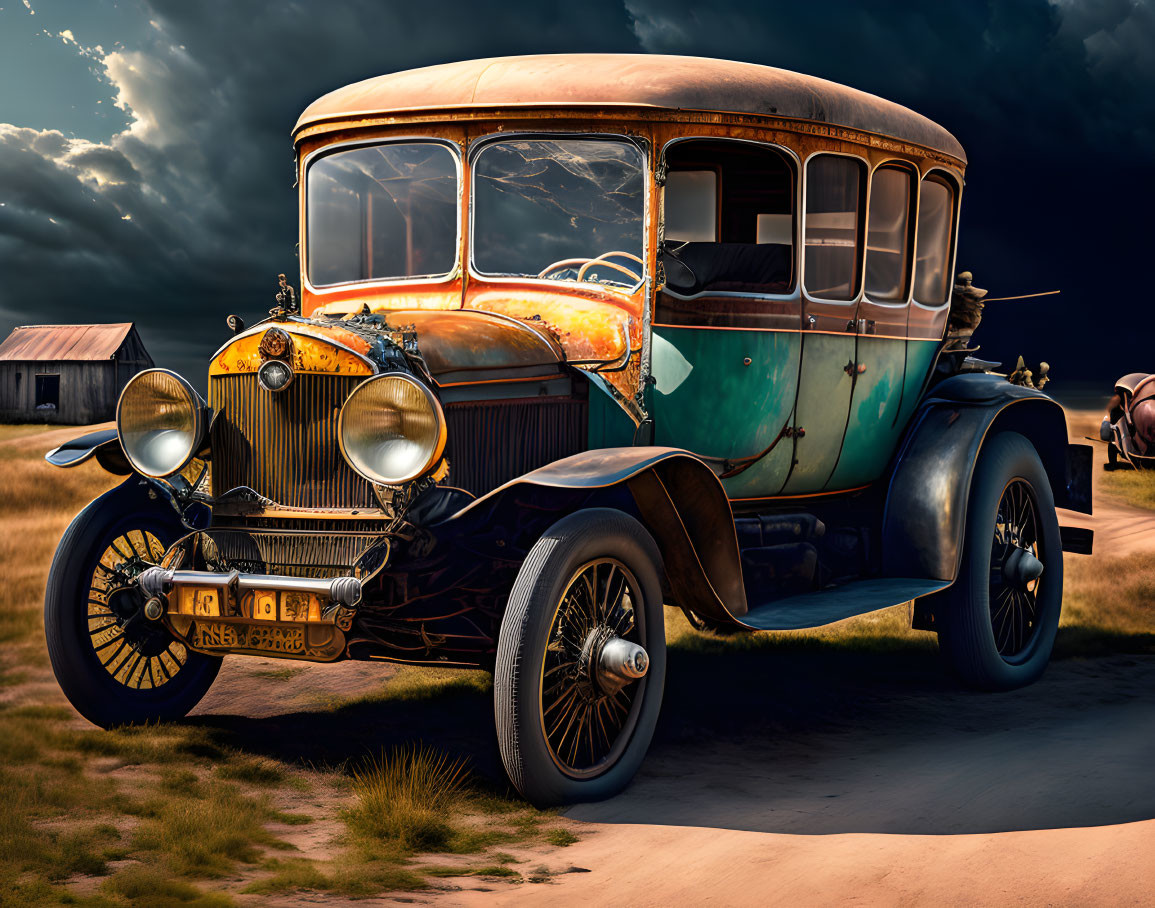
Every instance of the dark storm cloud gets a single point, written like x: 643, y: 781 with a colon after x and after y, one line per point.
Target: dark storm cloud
x: 1055, y: 105
x: 188, y: 213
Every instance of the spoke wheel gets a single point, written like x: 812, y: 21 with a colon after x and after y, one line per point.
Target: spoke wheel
x: 1013, y: 605
x: 114, y: 665
x: 581, y: 659
x: 997, y: 623
x: 136, y: 652
x: 585, y: 723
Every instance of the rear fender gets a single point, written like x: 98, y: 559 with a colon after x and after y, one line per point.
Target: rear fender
x: 926, y: 503
x: 677, y: 497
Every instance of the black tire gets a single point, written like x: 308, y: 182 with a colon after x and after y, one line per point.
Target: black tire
x: 598, y: 543
x: 994, y: 635
x: 82, y: 633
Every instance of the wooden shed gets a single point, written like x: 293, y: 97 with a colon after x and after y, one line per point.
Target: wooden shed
x: 67, y: 373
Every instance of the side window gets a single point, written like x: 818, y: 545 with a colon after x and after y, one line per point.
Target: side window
x: 935, y: 221
x: 692, y: 206
x: 47, y: 392
x: 888, y: 236
x: 833, y: 225
x: 728, y: 216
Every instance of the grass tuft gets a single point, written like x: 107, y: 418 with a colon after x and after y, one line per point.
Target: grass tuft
x: 405, y: 797
x: 1135, y: 487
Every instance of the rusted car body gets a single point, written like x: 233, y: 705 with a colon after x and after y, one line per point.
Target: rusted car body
x: 1128, y: 427
x: 627, y: 330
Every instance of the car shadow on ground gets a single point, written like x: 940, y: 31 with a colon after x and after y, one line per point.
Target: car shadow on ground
x: 813, y: 740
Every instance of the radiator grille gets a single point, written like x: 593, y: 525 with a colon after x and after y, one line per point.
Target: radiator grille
x: 283, y: 445
x: 291, y: 553
x: 492, y: 442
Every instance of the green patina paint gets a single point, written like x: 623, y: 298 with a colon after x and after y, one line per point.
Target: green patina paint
x: 872, y: 429
x: 609, y: 426
x: 706, y: 400
x: 823, y: 401
x: 879, y: 413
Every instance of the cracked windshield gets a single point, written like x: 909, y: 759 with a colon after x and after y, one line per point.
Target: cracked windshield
x: 560, y: 209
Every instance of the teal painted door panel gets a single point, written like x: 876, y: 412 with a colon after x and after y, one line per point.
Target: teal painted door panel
x: 706, y: 400
x: 823, y: 402
x: 875, y: 413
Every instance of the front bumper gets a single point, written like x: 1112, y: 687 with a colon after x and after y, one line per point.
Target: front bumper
x: 265, y: 614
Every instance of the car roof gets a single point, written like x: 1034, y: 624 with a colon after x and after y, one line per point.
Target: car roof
x: 630, y: 80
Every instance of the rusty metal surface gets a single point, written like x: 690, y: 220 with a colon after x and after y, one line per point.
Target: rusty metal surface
x: 56, y: 343
x: 643, y: 80
x: 475, y: 341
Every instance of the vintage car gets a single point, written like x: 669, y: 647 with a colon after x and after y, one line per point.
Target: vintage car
x: 579, y: 336
x: 1128, y: 426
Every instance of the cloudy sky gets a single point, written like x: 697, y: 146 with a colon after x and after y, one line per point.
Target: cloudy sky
x: 146, y: 171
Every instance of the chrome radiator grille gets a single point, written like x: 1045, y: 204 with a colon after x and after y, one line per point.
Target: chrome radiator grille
x: 283, y: 445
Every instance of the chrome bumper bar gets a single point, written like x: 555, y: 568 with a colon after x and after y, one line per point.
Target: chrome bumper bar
x: 156, y: 581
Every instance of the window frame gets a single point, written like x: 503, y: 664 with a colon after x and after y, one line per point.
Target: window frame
x: 478, y: 145
x: 311, y: 158
x: 795, y: 162
x: 863, y: 199
x: 915, y: 184
x: 36, y: 401
x: 955, y: 185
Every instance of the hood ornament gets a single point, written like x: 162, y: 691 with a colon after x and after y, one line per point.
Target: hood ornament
x: 275, y: 373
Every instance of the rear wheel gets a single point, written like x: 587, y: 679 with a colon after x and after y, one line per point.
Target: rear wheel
x: 114, y: 665
x: 1000, y: 623
x: 581, y: 660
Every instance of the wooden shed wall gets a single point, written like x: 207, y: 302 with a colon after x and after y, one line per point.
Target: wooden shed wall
x: 88, y: 390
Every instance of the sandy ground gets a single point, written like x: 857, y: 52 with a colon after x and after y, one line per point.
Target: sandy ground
x: 865, y: 779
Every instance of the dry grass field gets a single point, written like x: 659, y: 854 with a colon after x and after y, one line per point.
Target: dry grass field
x: 293, y: 778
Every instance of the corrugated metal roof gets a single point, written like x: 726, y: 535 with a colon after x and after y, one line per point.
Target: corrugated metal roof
x: 647, y: 80
x: 53, y: 343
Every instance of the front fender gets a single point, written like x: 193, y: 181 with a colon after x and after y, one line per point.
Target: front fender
x: 104, y: 445
x: 926, y: 502
x: 678, y: 498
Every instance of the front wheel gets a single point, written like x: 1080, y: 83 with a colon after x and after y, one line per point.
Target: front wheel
x: 114, y: 665
x: 581, y: 660
x: 999, y: 625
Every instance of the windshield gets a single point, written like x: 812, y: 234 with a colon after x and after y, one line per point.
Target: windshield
x: 382, y: 212
x: 563, y: 209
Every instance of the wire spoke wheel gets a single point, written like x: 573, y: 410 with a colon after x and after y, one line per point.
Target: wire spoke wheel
x: 586, y: 721
x: 137, y: 653
x: 1016, y: 570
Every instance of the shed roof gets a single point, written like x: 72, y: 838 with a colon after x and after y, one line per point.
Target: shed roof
x: 638, y: 80
x: 54, y: 343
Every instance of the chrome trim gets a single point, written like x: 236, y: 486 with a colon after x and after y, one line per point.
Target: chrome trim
x: 434, y: 403
x: 199, y: 424
x: 156, y: 581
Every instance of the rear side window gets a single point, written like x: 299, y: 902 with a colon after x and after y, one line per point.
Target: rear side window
x: 935, y: 221
x: 833, y: 226
x: 888, y: 235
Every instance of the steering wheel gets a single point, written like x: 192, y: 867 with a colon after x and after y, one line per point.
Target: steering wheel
x: 604, y: 259
x: 584, y: 264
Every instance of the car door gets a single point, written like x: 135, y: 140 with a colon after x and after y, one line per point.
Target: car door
x: 835, y: 189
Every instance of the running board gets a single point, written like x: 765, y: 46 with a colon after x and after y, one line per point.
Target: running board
x: 827, y: 606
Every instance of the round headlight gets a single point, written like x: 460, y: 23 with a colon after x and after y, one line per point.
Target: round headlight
x: 392, y: 429
x: 160, y: 421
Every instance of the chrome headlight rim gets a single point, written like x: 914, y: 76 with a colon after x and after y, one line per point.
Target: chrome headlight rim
x: 196, y: 405
x: 435, y: 453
